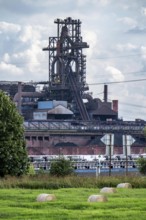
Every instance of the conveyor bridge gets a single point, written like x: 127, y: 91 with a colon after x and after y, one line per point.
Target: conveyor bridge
x: 131, y: 128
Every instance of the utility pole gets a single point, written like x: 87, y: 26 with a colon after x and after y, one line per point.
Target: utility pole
x: 110, y: 153
x: 108, y: 140
x: 128, y: 140
x: 98, y: 167
x: 126, y: 165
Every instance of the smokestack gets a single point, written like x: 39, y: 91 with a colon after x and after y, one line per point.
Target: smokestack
x: 105, y: 93
x: 115, y: 105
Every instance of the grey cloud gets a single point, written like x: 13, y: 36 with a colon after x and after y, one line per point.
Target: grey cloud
x: 137, y: 30
x: 29, y: 7
x: 16, y: 6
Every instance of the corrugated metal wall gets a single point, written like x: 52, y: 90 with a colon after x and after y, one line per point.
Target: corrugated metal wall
x: 45, y: 105
x: 40, y: 115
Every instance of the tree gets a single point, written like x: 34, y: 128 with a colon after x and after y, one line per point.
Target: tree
x: 61, y: 167
x: 141, y: 162
x: 13, y: 154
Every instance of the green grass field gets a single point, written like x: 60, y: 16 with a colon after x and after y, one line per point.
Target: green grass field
x: 71, y: 203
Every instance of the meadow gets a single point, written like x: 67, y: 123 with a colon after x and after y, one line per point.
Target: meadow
x: 18, y: 198
x: 71, y: 203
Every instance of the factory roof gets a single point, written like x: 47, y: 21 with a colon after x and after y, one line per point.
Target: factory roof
x: 60, y: 110
x: 104, y: 110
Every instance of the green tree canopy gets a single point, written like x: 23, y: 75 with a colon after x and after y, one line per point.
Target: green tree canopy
x: 13, y: 154
x: 141, y: 162
x: 61, y: 167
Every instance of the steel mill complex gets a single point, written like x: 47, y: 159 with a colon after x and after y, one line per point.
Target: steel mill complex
x: 63, y: 117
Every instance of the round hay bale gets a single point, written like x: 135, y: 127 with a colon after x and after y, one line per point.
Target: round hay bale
x: 97, y: 198
x: 108, y: 190
x: 45, y: 197
x: 124, y: 185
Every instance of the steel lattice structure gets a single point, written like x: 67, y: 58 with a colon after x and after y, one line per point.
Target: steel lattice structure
x: 67, y: 64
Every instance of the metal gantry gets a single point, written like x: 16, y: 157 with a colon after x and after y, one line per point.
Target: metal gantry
x: 131, y: 128
x: 67, y: 65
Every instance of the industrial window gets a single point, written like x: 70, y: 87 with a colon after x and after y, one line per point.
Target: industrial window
x: 46, y: 138
x: 40, y: 138
x: 27, y: 138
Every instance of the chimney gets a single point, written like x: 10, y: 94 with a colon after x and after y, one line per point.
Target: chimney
x: 105, y: 93
x: 115, y: 105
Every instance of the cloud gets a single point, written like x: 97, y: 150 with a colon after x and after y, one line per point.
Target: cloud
x: 104, y: 2
x: 30, y: 34
x: 126, y: 47
x: 128, y: 21
x: 21, y: 52
x: 81, y: 3
x: 143, y: 50
x: 6, y: 68
x: 16, y: 6
x: 6, y: 27
x: 143, y: 11
x: 6, y: 58
x: 115, y: 74
x: 137, y: 30
x: 91, y: 38
x: 26, y: 34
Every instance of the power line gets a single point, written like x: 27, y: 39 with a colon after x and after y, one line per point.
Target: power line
x: 125, y: 81
x: 103, y: 75
x: 99, y: 93
x: 139, y: 106
x: 122, y: 56
x: 97, y: 58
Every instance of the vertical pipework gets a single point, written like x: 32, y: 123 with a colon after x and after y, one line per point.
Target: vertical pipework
x: 105, y: 93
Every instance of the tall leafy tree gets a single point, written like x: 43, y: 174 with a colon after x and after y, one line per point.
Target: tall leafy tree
x: 13, y: 154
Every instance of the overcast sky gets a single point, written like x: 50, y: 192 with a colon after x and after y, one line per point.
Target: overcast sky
x: 114, y: 29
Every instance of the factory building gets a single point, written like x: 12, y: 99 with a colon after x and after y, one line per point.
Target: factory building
x: 56, y: 118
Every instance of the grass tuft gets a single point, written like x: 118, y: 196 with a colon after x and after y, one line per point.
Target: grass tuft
x: 45, y: 181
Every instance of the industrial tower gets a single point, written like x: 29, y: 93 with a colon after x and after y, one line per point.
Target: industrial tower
x: 67, y: 65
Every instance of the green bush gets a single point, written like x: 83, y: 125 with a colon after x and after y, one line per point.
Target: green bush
x: 142, y: 165
x: 61, y: 167
x: 31, y: 170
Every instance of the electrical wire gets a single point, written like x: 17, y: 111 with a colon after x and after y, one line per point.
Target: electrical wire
x: 128, y: 73
x: 116, y: 57
x: 125, y: 81
x: 138, y: 106
x: 97, y: 58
